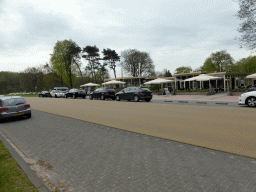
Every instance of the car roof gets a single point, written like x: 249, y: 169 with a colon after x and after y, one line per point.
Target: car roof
x: 10, y: 97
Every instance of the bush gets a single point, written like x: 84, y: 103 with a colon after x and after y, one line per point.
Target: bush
x: 238, y: 90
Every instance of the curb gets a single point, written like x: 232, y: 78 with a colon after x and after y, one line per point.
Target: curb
x: 199, y: 102
x: 29, y: 172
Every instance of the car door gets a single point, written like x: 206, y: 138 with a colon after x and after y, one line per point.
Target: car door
x: 130, y: 93
x: 125, y: 93
x: 96, y: 93
x: 70, y: 93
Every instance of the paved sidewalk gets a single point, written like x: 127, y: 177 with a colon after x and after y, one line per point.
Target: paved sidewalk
x: 216, y: 97
x: 96, y: 158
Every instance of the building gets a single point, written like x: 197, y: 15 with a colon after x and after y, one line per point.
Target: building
x: 228, y: 80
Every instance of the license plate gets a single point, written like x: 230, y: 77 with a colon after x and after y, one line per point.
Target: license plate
x: 148, y: 96
x: 112, y: 95
x: 16, y: 114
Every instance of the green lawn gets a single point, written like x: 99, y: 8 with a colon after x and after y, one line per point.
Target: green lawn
x: 12, y: 177
x: 29, y: 95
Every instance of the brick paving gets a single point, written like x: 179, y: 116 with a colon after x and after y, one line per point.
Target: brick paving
x: 89, y: 157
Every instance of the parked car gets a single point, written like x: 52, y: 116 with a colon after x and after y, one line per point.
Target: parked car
x: 134, y: 93
x: 57, y: 93
x: 44, y: 94
x: 248, y: 98
x: 64, y: 89
x: 14, y: 106
x: 74, y: 93
x: 103, y: 93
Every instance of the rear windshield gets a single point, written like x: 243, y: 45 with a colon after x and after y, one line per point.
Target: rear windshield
x: 145, y: 89
x: 13, y: 101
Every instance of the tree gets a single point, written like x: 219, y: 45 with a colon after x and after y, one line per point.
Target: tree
x: 247, y: 65
x: 183, y: 69
x: 102, y: 74
x: 136, y: 62
x: 221, y: 61
x: 111, y: 57
x: 247, y: 13
x: 93, y: 56
x: 64, y: 60
x: 167, y: 73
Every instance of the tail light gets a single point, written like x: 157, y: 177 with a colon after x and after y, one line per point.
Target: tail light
x: 3, y: 109
x: 27, y: 106
x: 142, y: 92
x: 106, y: 92
x: 115, y: 92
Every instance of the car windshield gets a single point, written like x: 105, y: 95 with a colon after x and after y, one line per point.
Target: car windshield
x: 13, y: 101
x: 145, y: 89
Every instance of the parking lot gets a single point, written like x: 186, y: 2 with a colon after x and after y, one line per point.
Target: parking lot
x: 83, y: 156
x: 97, y: 145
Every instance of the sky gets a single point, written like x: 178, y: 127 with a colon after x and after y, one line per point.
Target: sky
x: 174, y: 32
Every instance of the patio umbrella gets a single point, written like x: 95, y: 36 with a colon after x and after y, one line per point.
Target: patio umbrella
x: 158, y: 81
x: 204, y: 77
x: 112, y: 82
x: 90, y: 85
x: 252, y: 76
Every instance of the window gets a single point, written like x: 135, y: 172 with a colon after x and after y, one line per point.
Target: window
x: 13, y: 101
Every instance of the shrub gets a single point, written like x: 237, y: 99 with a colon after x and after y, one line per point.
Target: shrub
x: 236, y: 89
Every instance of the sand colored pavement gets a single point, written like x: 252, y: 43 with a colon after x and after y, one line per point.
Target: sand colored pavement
x: 220, y: 128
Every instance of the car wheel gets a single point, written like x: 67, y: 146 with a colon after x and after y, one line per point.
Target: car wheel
x: 83, y: 97
x: 251, y: 101
x: 102, y: 97
x: 148, y: 100
x: 136, y: 98
x: 66, y: 97
x: 56, y: 96
x: 113, y: 98
x: 117, y: 98
x: 74, y: 96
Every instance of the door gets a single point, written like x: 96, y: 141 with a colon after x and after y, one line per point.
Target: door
x: 130, y: 93
x: 125, y: 94
x: 96, y: 93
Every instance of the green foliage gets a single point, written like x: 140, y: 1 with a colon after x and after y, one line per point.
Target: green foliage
x: 111, y: 57
x: 182, y: 91
x: 91, y: 53
x: 12, y: 178
x: 155, y: 88
x: 167, y: 73
x: 183, y: 69
x: 220, y: 61
x: 65, y: 60
x: 238, y: 90
x: 247, y: 65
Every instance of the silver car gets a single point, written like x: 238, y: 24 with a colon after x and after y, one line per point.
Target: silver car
x: 13, y: 107
x: 57, y: 93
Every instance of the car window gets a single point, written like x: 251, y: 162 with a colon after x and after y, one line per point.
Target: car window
x: 126, y: 89
x: 145, y: 89
x: 13, y: 101
x: 97, y: 89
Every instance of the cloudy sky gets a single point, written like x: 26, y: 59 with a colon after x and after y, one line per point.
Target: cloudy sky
x: 175, y: 32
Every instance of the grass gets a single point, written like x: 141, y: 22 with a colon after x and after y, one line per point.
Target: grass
x: 12, y: 177
x: 29, y: 95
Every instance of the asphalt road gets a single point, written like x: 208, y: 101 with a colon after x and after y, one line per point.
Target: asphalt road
x: 80, y: 156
